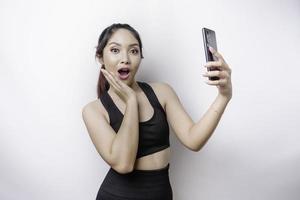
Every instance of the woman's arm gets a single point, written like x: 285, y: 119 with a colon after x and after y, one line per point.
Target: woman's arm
x: 194, y: 135
x: 201, y: 131
x: 125, y: 144
x: 117, y: 149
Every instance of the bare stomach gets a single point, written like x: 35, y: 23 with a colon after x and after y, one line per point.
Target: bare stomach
x: 153, y: 161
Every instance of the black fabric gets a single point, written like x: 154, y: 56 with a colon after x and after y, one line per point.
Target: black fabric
x: 136, y: 185
x: 153, y: 133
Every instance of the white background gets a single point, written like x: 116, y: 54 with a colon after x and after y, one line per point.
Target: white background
x: 48, y: 73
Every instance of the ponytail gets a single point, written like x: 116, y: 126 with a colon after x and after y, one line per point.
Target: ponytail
x: 102, y: 83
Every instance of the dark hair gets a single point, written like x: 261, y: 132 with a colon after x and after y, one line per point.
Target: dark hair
x: 102, y: 41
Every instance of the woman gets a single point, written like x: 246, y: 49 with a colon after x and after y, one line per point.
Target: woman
x: 129, y: 123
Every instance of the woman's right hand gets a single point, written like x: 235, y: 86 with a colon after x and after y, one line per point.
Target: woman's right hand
x: 123, y: 91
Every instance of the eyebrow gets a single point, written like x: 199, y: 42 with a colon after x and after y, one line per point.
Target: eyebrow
x: 121, y: 45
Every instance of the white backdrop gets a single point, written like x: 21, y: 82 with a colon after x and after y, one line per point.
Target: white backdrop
x: 48, y: 73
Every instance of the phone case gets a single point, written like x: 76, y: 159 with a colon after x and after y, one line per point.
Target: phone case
x: 209, y: 39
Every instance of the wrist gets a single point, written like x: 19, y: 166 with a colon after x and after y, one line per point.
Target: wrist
x: 132, y: 100
x: 226, y: 98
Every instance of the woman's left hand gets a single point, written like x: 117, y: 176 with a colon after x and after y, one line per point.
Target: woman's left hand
x: 224, y: 83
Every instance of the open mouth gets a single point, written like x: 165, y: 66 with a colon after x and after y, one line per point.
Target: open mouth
x: 124, y: 73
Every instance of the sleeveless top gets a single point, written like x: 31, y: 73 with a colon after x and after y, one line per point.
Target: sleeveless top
x: 153, y: 133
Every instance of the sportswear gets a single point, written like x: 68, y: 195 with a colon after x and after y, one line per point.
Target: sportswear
x: 153, y: 133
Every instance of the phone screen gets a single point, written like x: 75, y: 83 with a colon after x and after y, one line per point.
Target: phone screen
x: 209, y: 39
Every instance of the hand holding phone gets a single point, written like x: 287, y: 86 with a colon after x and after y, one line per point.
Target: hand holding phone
x: 209, y: 39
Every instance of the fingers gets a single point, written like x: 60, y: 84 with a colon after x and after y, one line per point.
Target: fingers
x: 220, y: 82
x: 220, y: 74
x: 221, y: 63
x: 215, y: 53
x: 224, y: 76
x: 213, y: 64
x: 218, y: 68
x: 110, y: 77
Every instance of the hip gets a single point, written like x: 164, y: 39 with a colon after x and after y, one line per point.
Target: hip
x: 138, y: 184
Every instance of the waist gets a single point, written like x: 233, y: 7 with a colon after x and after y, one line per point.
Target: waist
x: 145, y: 174
x: 137, y: 181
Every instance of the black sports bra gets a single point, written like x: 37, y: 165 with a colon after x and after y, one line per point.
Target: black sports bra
x: 153, y: 133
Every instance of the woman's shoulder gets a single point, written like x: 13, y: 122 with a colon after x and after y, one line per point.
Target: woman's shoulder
x: 94, y: 106
x: 161, y: 89
x: 158, y: 85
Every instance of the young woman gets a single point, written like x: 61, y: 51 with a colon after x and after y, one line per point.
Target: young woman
x: 129, y: 122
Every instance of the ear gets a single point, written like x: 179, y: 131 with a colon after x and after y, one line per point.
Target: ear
x: 101, y: 60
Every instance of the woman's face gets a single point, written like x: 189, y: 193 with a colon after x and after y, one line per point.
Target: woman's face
x: 122, y: 51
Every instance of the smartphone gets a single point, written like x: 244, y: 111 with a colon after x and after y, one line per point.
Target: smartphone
x: 209, y: 39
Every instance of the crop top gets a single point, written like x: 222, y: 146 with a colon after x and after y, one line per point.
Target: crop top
x: 153, y: 133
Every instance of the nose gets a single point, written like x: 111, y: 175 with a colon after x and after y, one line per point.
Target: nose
x: 125, y: 58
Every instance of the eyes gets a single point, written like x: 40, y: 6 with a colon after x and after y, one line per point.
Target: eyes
x: 134, y: 51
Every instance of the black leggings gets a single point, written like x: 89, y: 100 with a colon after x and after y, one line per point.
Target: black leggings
x: 138, y: 184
